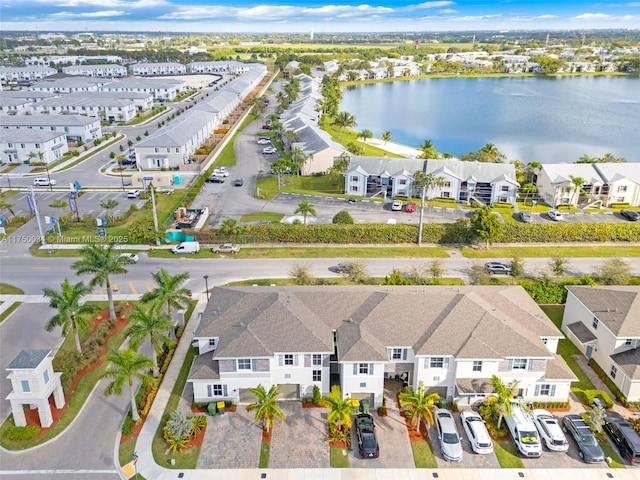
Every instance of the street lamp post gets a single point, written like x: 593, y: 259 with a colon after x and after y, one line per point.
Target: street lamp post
x: 49, y: 177
x: 206, y: 285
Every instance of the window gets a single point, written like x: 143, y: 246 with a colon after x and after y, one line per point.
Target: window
x: 317, y: 375
x: 613, y: 371
x: 355, y: 178
x: 363, y: 368
x: 544, y: 340
x: 156, y: 150
x: 436, y: 362
x: 545, y: 390
x: 317, y: 359
x: 594, y: 323
x: 288, y: 359
x: 45, y: 375
x: 622, y: 188
x: 396, y: 354
x: 446, y: 195
x: 477, y: 365
x: 519, y: 364
x: 212, y: 342
x: 447, y: 185
x: 504, y: 188
x: 402, y: 181
x: 216, y: 390
x: 25, y: 386
x: 628, y: 342
x: 177, y: 150
x: 37, y: 145
x: 244, y: 364
x: 354, y: 188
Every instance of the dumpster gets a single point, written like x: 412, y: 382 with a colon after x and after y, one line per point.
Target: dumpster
x: 211, y: 408
x: 220, y: 406
x: 365, y: 406
x: 356, y: 406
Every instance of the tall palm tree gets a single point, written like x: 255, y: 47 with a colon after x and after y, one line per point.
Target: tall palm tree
x: 418, y: 406
x: 344, y: 120
x: 70, y: 312
x: 124, y: 367
x: 101, y: 261
x: 426, y: 182
x: 151, y: 324
x: 305, y: 208
x: 577, y: 183
x: 169, y: 290
x: 266, y: 406
x: 386, y: 136
x: 504, y: 394
x: 340, y: 409
x: 530, y: 170
x: 428, y: 150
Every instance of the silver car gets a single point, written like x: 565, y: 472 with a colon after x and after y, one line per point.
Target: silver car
x: 448, y: 436
x: 476, y: 431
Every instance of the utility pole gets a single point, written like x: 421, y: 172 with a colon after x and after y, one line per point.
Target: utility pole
x: 155, y: 213
x: 35, y: 210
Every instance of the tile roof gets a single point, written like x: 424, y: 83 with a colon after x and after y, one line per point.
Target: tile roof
x: 28, y: 359
x: 617, y: 307
x: 465, y: 322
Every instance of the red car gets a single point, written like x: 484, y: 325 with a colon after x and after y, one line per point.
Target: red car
x: 266, y: 127
x: 411, y: 207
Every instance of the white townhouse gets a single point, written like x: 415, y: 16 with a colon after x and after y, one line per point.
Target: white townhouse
x: 10, y: 105
x: 75, y: 127
x: 160, y: 88
x: 486, y: 183
x: 223, y: 66
x: 220, y: 104
x: 31, y: 96
x: 603, y: 322
x: 317, y: 145
x: 451, y: 338
x: 17, y: 146
x: 109, y: 70
x: 162, y: 68
x: 109, y: 109
x: 603, y: 184
x: 142, y: 101
x: 172, y: 145
x: 28, y: 73
x: 68, y: 84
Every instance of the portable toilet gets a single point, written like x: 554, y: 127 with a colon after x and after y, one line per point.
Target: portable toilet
x: 177, y: 179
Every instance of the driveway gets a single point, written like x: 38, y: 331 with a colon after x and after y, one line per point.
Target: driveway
x: 301, y: 440
x: 231, y: 440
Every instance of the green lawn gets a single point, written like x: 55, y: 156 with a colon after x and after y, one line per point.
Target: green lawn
x: 507, y: 454
x: 610, y: 451
x: 549, y: 252
x: 6, y: 289
x: 267, y: 187
x: 272, y: 217
x: 339, y: 458
x: 423, y: 455
x: 12, y: 308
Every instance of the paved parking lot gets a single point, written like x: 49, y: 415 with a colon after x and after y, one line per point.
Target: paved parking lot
x: 301, y: 440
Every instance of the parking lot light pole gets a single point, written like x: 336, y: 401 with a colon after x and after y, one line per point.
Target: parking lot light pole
x: 206, y: 285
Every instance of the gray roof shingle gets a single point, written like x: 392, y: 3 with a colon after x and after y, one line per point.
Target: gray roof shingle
x: 28, y: 359
x: 617, y: 307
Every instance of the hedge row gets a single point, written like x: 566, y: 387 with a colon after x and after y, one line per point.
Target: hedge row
x: 437, y: 233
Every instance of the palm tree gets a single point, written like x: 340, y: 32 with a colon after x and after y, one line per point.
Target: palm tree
x: 365, y: 135
x: 426, y: 182
x: 386, y: 136
x: 102, y: 261
x: 305, y: 208
x: 231, y: 226
x: 154, y: 325
x: 340, y: 409
x: 344, y: 120
x: 504, y: 394
x: 428, y: 150
x: 418, y: 406
x: 125, y: 366
x: 169, y: 290
x: 577, y: 183
x: 530, y: 170
x: 70, y: 312
x: 266, y: 406
x: 490, y: 153
x: 108, y: 205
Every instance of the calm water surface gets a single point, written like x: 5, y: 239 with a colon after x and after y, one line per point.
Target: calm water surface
x: 550, y: 120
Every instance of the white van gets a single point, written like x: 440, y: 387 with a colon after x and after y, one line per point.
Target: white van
x: 43, y: 182
x: 186, y: 247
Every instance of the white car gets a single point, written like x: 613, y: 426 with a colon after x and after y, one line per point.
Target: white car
x: 43, y: 182
x: 269, y: 150
x: 219, y: 172
x: 550, y: 430
x: 133, y: 193
x: 554, y: 215
x: 396, y: 206
x: 262, y: 141
x: 131, y: 257
x: 476, y: 431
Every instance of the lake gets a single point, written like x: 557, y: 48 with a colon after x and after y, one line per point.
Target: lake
x: 547, y: 119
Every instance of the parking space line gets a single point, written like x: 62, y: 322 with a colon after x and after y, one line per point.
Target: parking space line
x: 132, y: 287
x: 149, y: 286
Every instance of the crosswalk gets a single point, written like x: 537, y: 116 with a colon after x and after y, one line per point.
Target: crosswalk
x: 135, y: 288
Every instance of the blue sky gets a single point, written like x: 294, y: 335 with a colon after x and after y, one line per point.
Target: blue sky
x: 307, y: 15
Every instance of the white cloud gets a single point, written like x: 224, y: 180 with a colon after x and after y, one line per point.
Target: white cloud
x: 107, y: 3
x: 101, y: 14
x: 545, y: 17
x: 592, y: 16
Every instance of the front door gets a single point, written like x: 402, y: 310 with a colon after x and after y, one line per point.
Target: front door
x: 588, y: 352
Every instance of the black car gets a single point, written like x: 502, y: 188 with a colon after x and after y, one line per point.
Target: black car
x: 213, y: 179
x: 631, y: 215
x: 497, y: 267
x: 344, y: 267
x: 366, y: 434
x: 590, y: 450
x: 624, y: 436
x: 238, y: 182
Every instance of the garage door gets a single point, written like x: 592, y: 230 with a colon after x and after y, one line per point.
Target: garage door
x: 289, y: 391
x: 246, y: 397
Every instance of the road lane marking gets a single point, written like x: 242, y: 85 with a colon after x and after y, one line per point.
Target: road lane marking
x: 150, y: 286
x: 132, y: 287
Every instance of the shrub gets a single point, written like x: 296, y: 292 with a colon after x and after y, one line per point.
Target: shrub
x: 199, y: 422
x: 589, y: 397
x: 178, y: 425
x: 343, y: 217
x: 22, y: 433
x: 127, y: 426
x: 317, y: 396
x: 609, y: 383
x: 545, y: 405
